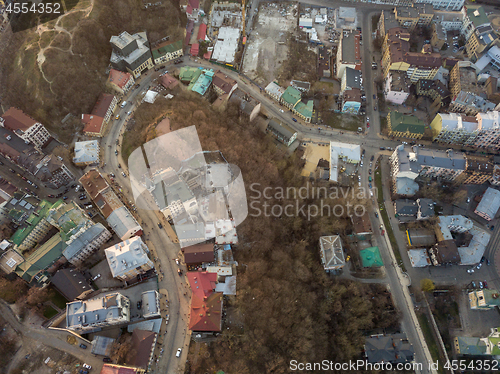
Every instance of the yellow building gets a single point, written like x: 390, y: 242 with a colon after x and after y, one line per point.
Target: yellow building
x: 410, y: 17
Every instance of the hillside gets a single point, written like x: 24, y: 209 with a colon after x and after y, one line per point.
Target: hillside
x: 59, y: 67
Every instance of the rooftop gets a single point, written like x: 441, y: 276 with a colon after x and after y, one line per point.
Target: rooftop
x: 119, y: 78
x: 70, y: 283
x: 165, y: 48
x: 406, y: 123
x: 86, y: 152
x: 332, y: 254
x: 226, y: 45
x: 477, y: 15
x: 126, y: 255
x: 16, y: 119
x: 490, y: 203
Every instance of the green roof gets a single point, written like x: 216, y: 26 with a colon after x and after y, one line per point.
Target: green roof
x: 169, y: 48
x: 44, y: 257
x: 494, y: 346
x: 370, y: 257
x: 477, y: 18
x: 189, y: 74
x: 33, y: 220
x: 305, y: 109
x: 203, y: 82
x: 403, y: 123
x: 68, y: 218
x: 291, y: 95
x: 489, y: 299
x: 471, y: 346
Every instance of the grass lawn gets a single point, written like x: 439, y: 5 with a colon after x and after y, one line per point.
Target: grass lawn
x: 58, y: 299
x: 429, y: 339
x: 387, y: 223
x: 49, y: 312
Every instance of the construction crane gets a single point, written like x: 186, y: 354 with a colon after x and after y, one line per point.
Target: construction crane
x: 243, y: 17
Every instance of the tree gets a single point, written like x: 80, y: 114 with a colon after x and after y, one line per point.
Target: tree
x: 427, y: 285
x: 120, y: 350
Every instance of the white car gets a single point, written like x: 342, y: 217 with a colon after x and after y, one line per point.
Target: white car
x: 178, y: 354
x: 96, y: 277
x: 177, y: 261
x: 85, y: 366
x: 367, y: 119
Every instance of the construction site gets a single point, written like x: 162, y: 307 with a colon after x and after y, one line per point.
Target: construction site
x: 266, y: 47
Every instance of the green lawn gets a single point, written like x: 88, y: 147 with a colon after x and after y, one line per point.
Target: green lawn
x: 49, y: 312
x: 58, y: 299
x: 429, y: 339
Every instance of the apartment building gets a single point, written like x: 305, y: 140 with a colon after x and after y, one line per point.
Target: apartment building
x: 96, y: 122
x: 474, y: 17
x: 351, y: 78
x: 396, y: 56
x: 417, y: 15
x: 94, y: 314
x: 131, y: 53
x: 449, y: 21
x: 25, y: 127
x: 489, y: 204
x: 463, y: 77
x: 275, y: 91
x: 85, y: 242
x: 410, y: 162
x: 386, y: 22
x: 222, y: 84
x: 121, y: 81
x: 247, y: 105
x: 470, y: 104
x: 348, y: 52
x: 167, y: 51
x: 128, y: 259
x: 489, y: 135
x: 455, y: 128
x: 405, y: 126
x: 435, y: 89
x: 397, y: 87
x: 479, y: 169
x: 282, y: 132
x: 351, y: 101
x: 444, y: 4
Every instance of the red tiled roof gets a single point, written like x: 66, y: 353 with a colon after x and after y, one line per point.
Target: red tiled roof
x: 198, y: 253
x: 93, y: 124
x: 102, y: 105
x: 93, y: 182
x: 206, y: 313
x: 195, y: 48
x: 119, y: 77
x: 222, y: 81
x: 202, y: 283
x: 118, y: 369
x: 202, y: 31
x: 168, y: 81
x: 189, y: 9
x: 195, y: 4
x: 207, y: 55
x: 16, y: 119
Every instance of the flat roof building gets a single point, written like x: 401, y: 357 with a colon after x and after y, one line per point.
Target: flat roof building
x: 489, y: 205
x: 86, y: 153
x: 332, y: 254
x: 282, y: 132
x: 131, y: 53
x: 128, y: 259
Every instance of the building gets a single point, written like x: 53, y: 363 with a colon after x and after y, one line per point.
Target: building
x: 446, y: 4
x: 470, y: 104
x: 168, y: 81
x: 351, y: 101
x: 332, y: 253
x: 275, y: 91
x: 248, y: 106
x: 127, y: 260
x: 454, y: 128
x: 474, y: 17
x: 346, y: 152
x: 412, y: 162
x: 489, y: 134
x: 397, y: 87
x: 166, y: 52
x: 489, y: 205
x: 301, y: 86
x: 282, y: 132
x: 94, y: 314
x: 361, y: 225
x: 370, y: 257
x: 479, y: 169
x: 202, y: 32
x: 198, y: 254
x: 142, y: 350
x: 477, y: 31
x: 206, y: 305
x: 420, y: 238
x: 396, y: 56
x: 469, y: 346
x: 348, y: 52
x: 25, y: 127
x: 116, y: 214
x: 463, y: 77
x: 71, y: 284
x: 121, y: 81
x: 222, y: 84
x: 410, y: 17
x: 304, y: 110
x: 425, y: 208
x: 291, y: 97
x: 405, y: 210
x: 406, y: 126
x: 351, y: 78
x: 131, y: 53
x: 95, y: 123
x: 389, y: 348
x: 85, y: 242
x: 449, y: 20
x: 324, y: 66
x: 438, y: 36
x: 86, y: 153
x: 484, y: 299
x: 386, y: 22
x: 226, y: 45
x: 119, y: 369
x: 305, y: 22
x: 193, y: 10
x: 495, y: 178
x: 435, y: 89
x: 150, y: 304
x: 189, y: 75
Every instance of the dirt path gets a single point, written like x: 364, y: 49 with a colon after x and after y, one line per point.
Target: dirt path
x: 43, y: 28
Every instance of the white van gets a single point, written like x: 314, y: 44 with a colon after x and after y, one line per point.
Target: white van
x: 123, y: 104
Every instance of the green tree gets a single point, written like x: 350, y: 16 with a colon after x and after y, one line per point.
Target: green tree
x: 427, y: 285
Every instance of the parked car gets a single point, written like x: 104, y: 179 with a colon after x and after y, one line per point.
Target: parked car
x: 470, y: 271
x: 376, y: 214
x: 482, y: 259
x: 116, y: 153
x: 473, y: 284
x: 160, y: 225
x: 112, y: 175
x: 481, y: 285
x: 294, y: 120
x: 488, y: 262
x: 485, y: 284
x: 178, y: 354
x: 383, y: 148
x: 96, y: 277
x: 83, y: 346
x: 123, y: 173
x: 369, y: 171
x: 50, y: 196
x: 12, y: 171
x: 86, y: 366
x: 177, y: 261
x: 372, y: 158
x: 374, y: 97
x: 479, y: 266
x: 139, y: 304
x: 119, y: 166
x: 369, y: 185
x: 65, y: 197
x: 106, y: 359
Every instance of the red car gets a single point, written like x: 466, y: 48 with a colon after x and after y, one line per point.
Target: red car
x: 367, y: 125
x: 485, y: 284
x: 382, y: 233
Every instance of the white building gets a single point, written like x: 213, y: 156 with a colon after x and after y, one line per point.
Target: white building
x: 123, y: 223
x: 397, y: 87
x: 449, y: 21
x: 332, y: 254
x: 226, y: 45
x: 25, y: 127
x: 489, y: 205
x: 275, y: 91
x: 128, y: 259
x: 85, y: 242
x: 345, y: 151
x: 94, y: 314
x: 444, y: 4
x: 150, y: 304
x: 86, y: 153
